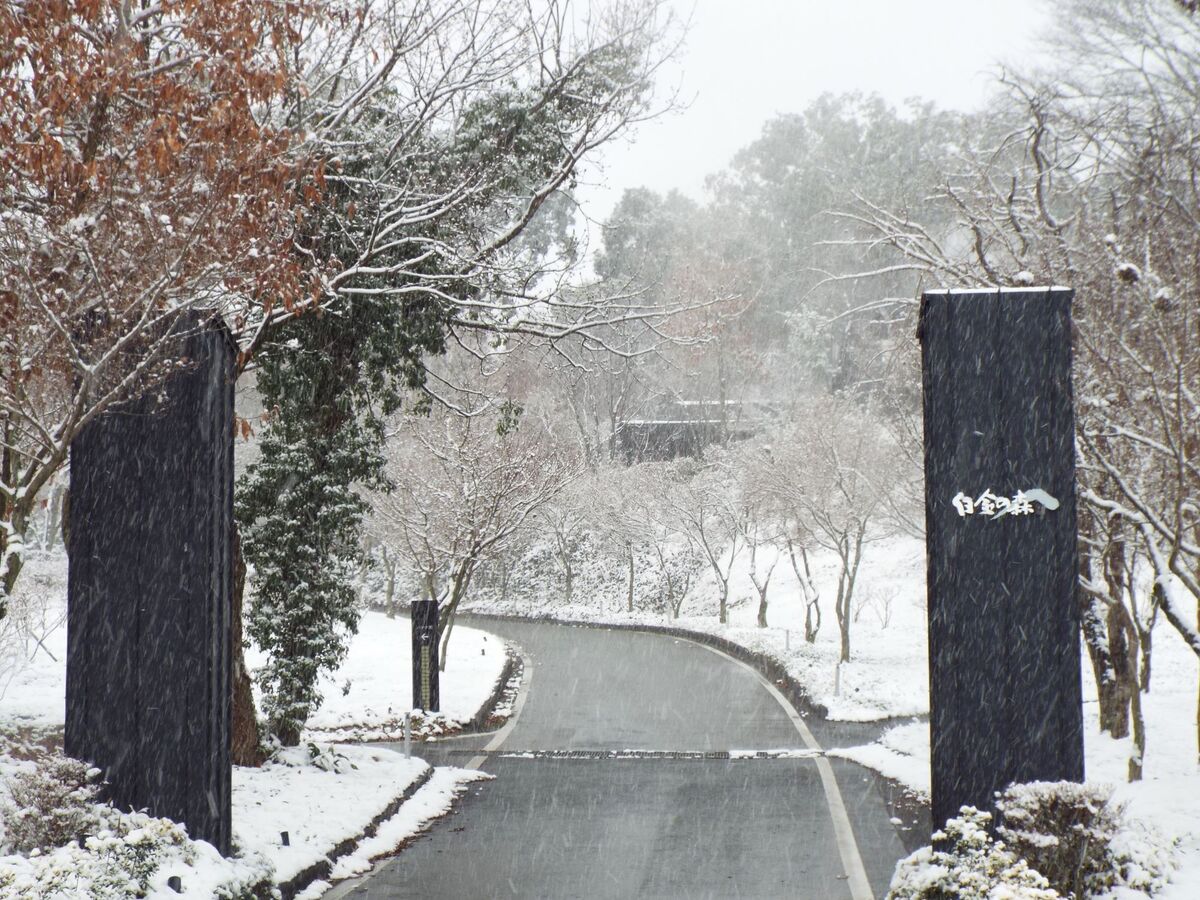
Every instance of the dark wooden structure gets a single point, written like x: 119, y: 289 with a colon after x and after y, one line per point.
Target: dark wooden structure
x: 686, y: 427
x: 150, y: 588
x: 1005, y: 701
x: 426, y: 693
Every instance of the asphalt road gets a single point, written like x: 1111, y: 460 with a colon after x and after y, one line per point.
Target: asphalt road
x: 623, y: 818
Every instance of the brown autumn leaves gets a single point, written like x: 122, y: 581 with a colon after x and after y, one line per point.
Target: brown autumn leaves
x: 144, y: 173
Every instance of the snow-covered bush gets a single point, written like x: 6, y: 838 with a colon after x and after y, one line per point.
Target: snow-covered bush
x: 1054, y: 839
x: 64, y: 844
x: 130, y: 857
x: 321, y: 756
x: 50, y: 805
x: 971, y: 866
x: 1076, y: 836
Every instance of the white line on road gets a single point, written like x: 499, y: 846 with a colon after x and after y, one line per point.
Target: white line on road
x: 657, y: 755
x: 860, y: 887
x: 342, y: 888
x: 518, y: 705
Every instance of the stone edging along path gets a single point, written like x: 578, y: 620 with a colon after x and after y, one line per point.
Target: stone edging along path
x: 506, y: 687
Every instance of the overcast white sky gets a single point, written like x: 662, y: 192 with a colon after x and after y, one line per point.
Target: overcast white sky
x: 747, y: 60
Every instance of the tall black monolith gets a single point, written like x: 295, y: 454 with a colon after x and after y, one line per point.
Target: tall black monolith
x: 425, y: 688
x: 1005, y: 702
x: 149, y: 593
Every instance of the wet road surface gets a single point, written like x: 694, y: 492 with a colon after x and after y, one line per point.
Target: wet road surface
x: 614, y: 781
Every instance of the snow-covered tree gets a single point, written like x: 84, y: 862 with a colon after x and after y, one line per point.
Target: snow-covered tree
x: 205, y: 155
x: 141, y: 179
x: 300, y: 533
x: 830, y: 472
x: 461, y: 489
x: 705, y: 500
x: 1093, y: 185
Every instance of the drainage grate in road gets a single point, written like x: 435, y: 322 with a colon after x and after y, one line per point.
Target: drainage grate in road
x: 644, y: 754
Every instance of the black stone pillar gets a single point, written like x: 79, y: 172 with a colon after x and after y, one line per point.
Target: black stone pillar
x: 425, y: 656
x: 149, y: 593
x: 1001, y: 539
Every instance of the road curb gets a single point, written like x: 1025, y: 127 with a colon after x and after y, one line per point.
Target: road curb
x: 506, y: 685
x: 510, y: 673
x: 322, y: 867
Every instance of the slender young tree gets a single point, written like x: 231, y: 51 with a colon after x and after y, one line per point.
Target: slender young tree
x: 462, y: 489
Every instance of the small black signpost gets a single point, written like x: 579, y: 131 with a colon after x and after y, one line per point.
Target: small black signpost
x: 425, y: 656
x: 1005, y: 697
x: 149, y: 594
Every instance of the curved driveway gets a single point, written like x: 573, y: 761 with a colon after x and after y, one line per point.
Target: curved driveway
x: 567, y: 817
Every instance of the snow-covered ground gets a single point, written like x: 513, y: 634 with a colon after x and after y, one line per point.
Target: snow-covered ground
x: 321, y: 807
x: 320, y: 801
x: 1163, y: 805
x: 367, y: 697
x: 321, y: 804
x: 888, y: 672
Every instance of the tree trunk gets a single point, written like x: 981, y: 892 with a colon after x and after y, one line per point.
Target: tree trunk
x: 13, y: 561
x: 462, y: 580
x: 1146, y: 640
x: 1122, y: 645
x: 629, y: 593
x: 505, y: 576
x: 760, y: 586
x: 52, y: 530
x: 851, y: 555
x: 678, y: 596
x: 564, y: 556
x: 11, y: 516
x: 842, y: 607
x: 812, y: 598
x: 244, y: 746
x: 1114, y: 712
x: 1139, y: 734
x: 389, y: 597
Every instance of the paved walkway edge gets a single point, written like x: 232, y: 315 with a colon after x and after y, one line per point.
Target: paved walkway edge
x: 323, y: 867
x: 852, y: 864
x: 510, y: 679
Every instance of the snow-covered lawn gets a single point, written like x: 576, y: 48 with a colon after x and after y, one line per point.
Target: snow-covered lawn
x: 320, y: 808
x: 366, y: 699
